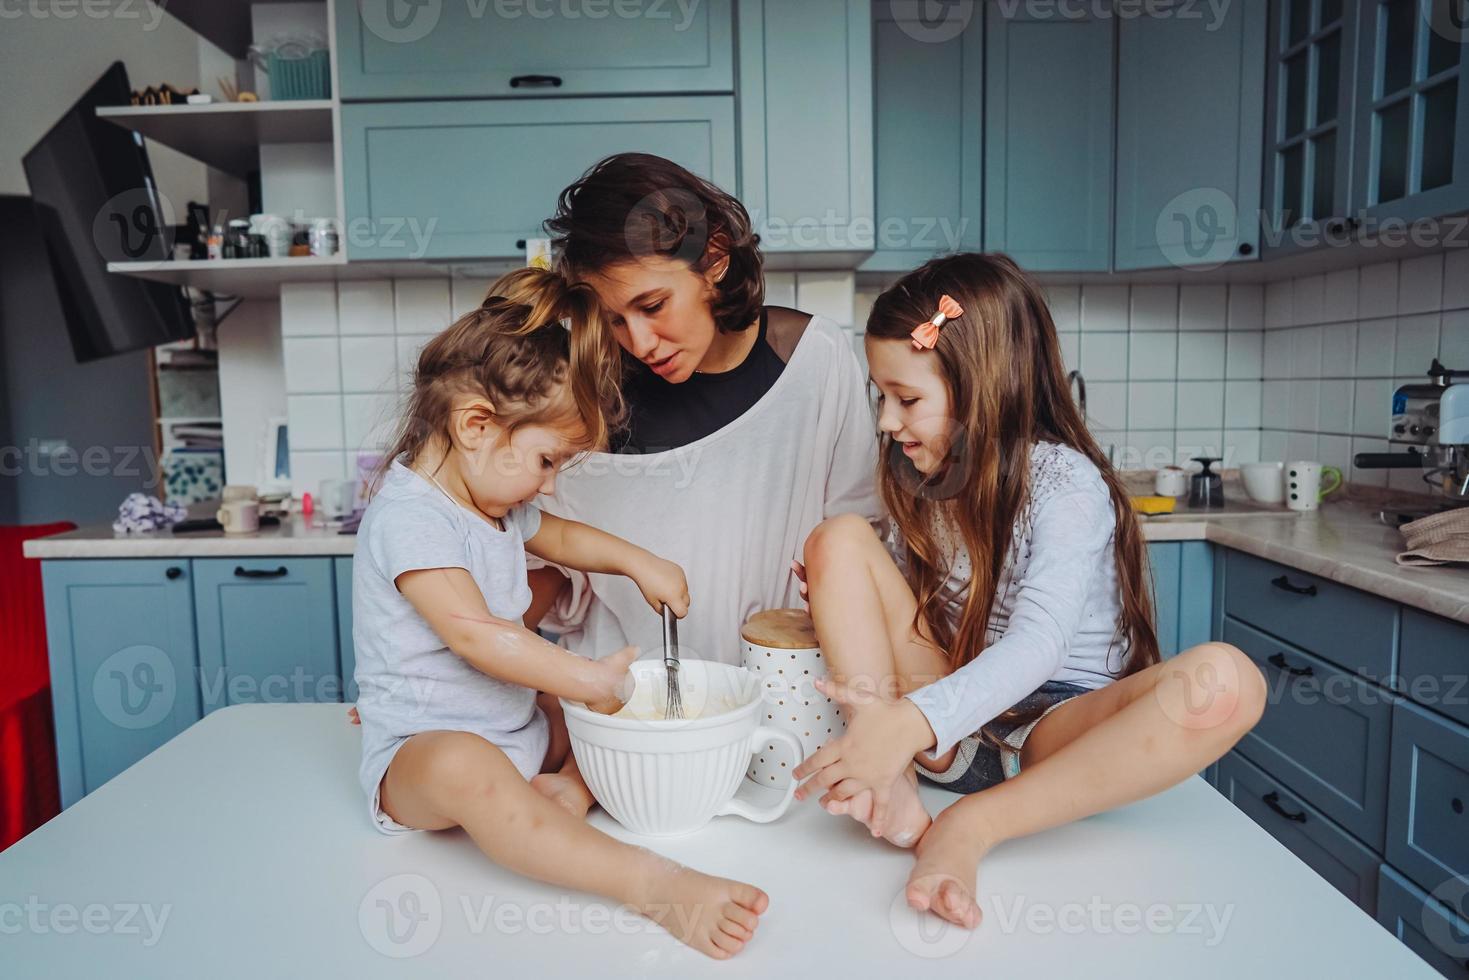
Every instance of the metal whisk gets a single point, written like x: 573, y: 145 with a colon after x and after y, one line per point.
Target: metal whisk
x: 674, y: 708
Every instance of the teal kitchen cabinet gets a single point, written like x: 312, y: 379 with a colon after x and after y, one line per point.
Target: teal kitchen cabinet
x: 806, y: 124
x: 928, y: 112
x: 1189, y: 149
x: 1424, y: 923
x: 123, y: 662
x: 390, y: 50
x: 267, y: 630
x: 1428, y: 805
x: 1309, y: 157
x: 346, y: 652
x: 1412, y: 111
x: 1048, y: 130
x: 473, y: 179
x: 1183, y: 593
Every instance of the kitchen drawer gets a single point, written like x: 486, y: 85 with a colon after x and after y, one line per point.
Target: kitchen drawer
x: 1350, y: 628
x: 435, y: 50
x: 267, y: 630
x: 1424, y: 924
x: 1324, y: 733
x: 463, y: 180
x: 1328, y: 850
x: 1428, y: 807
x: 1435, y: 663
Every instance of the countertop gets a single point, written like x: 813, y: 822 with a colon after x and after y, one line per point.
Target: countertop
x: 1343, y: 542
x: 242, y: 848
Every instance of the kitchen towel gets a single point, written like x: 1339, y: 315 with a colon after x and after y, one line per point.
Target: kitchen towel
x: 1437, y: 539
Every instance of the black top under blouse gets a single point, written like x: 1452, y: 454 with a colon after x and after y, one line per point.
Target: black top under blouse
x: 664, y: 416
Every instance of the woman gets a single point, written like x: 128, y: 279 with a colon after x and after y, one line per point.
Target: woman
x: 748, y: 425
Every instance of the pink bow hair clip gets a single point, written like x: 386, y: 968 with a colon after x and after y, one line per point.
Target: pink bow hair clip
x: 926, y: 334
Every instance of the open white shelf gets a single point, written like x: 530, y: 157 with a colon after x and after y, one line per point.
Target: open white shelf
x: 263, y: 278
x: 227, y: 135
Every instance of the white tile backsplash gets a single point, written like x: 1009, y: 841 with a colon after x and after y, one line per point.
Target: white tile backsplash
x: 1242, y: 404
x: 828, y: 294
x: 1339, y: 350
x: 371, y: 421
x: 1151, y: 356
x: 1104, y: 356
x: 1377, y: 293
x: 1376, y: 340
x: 1150, y: 404
x: 313, y: 365
x: 1154, y: 308
x: 1277, y: 354
x: 1104, y: 307
x: 1200, y: 405
x: 1279, y: 305
x: 365, y: 307
x: 1202, y: 355
x: 1065, y: 303
x: 1420, y: 284
x: 1246, y: 306
x: 1244, y: 354
x: 1203, y: 308
x: 1456, y: 279
x: 1309, y: 300
x: 1305, y: 352
x: 466, y: 295
x: 308, y: 309
x: 1340, y: 297
x: 421, y: 305
x: 1454, y: 340
x: 1417, y: 343
x: 315, y: 421
x: 367, y: 364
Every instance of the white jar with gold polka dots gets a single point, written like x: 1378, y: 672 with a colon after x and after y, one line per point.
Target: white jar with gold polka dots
x: 780, y: 648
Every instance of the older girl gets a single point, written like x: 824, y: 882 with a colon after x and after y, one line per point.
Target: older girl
x: 1009, y: 651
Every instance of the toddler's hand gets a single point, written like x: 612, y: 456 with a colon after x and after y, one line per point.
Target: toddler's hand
x: 612, y: 683
x: 663, y: 584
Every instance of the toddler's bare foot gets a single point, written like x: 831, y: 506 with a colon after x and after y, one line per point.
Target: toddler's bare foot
x: 716, y: 916
x: 567, y: 790
x: 906, y: 821
x: 943, y: 879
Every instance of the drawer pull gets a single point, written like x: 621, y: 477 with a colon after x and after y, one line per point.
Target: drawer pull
x: 1284, y: 584
x: 242, y: 572
x: 1272, y: 800
x: 1278, y: 661
x: 1457, y: 805
x: 551, y: 80
x: 174, y: 572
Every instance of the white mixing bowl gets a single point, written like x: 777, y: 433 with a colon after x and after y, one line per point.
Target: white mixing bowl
x: 664, y: 778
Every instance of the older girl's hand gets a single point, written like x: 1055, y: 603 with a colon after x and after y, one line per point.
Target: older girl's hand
x: 883, y: 735
x: 662, y: 583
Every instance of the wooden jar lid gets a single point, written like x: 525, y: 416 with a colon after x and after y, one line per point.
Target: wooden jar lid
x: 781, y: 629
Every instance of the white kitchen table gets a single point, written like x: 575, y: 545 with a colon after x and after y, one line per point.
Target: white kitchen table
x: 242, y: 849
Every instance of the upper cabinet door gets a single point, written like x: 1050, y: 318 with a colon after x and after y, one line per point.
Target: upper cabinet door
x: 1412, y: 115
x: 806, y: 124
x: 472, y: 179
x: 1190, y: 108
x: 1309, y: 158
x: 391, y: 50
x: 929, y: 84
x: 1048, y: 136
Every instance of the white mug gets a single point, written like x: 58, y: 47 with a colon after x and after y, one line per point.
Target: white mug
x: 239, y: 491
x: 667, y: 777
x: 336, y: 498
x: 1171, y: 481
x: 779, y: 647
x: 238, y: 516
x: 1264, y: 482
x: 1303, y: 484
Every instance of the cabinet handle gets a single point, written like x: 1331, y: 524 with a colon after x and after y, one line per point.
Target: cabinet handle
x: 1245, y: 248
x: 1272, y: 800
x: 242, y: 572
x: 1284, y: 584
x: 1278, y: 659
x: 554, y: 81
x: 174, y: 571
x: 1457, y: 805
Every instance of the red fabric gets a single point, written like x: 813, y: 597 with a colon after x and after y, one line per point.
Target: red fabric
x: 28, y: 782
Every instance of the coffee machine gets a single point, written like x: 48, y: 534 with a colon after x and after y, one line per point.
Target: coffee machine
x: 1432, y: 421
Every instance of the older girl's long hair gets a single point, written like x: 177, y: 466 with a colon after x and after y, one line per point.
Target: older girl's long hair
x: 1008, y: 389
x: 516, y: 350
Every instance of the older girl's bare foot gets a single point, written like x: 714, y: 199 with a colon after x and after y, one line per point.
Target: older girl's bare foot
x: 716, y: 916
x: 906, y: 821
x: 944, y: 876
x: 567, y: 790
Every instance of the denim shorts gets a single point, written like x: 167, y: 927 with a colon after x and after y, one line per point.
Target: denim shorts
x: 978, y: 764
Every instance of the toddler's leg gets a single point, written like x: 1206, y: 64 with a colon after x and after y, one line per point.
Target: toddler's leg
x: 1096, y: 752
x: 446, y: 779
x: 863, y: 612
x: 560, y: 780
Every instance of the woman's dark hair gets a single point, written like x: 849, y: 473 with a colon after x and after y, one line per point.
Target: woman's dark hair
x: 634, y: 205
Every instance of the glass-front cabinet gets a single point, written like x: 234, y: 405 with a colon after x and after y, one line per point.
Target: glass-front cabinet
x: 1308, y: 118
x: 1411, y: 103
